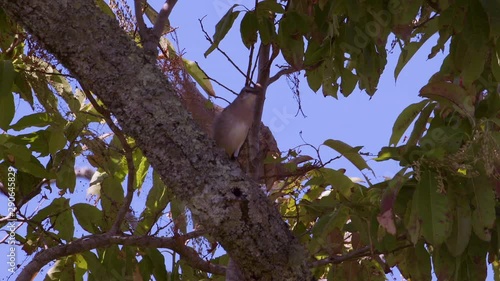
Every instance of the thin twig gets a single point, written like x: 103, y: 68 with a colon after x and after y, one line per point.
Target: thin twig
x: 218, y: 49
x: 249, y: 69
x: 130, y: 163
x: 283, y: 71
x: 359, y: 253
x: 255, y: 64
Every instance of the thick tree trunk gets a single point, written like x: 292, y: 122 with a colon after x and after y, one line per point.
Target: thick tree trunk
x: 106, y: 61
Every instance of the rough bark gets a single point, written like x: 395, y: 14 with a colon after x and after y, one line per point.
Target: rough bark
x: 229, y: 205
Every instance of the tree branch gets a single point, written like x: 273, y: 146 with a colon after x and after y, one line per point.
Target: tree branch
x: 283, y: 71
x: 105, y: 240
x: 151, y: 37
x: 162, y: 19
x: 231, y: 208
x: 141, y: 25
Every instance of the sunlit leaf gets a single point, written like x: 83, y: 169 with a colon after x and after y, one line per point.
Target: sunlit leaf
x: 141, y: 166
x: 61, y: 270
x: 199, y: 76
x: 41, y: 119
x: 105, y: 8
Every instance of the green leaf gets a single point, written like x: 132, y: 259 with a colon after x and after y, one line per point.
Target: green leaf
x: 388, y: 152
x: 338, y: 181
x: 407, y: 53
x: 411, y: 48
x: 62, y: 86
x: 420, y: 263
x: 405, y: 119
x: 473, y: 65
x: 59, y: 214
x: 199, y: 76
x: 444, y: 263
x: 65, y: 176
x: 18, y: 152
x: 449, y: 92
x: 350, y: 153
x: 267, y: 30
x: 89, y: 217
x: 414, y: 262
x: 476, y: 29
x: 105, y: 8
x: 483, y: 200
x: 293, y: 51
x: 157, y: 200
x: 420, y: 125
x: 315, y: 55
x: 7, y: 29
x: 7, y: 108
x: 248, y: 28
x: 473, y: 266
x: 372, y: 61
x: 330, y: 221
x: 27, y: 187
x: 462, y: 227
x: 81, y: 267
x: 31, y: 166
x: 314, y: 78
x: 434, y: 209
x: 142, y: 167
x: 492, y: 9
x: 62, y: 270
x: 23, y: 88
x: 38, y: 141
x: 111, y: 198
x: 41, y: 119
x: 348, y: 83
x: 412, y: 221
x: 57, y: 139
x: 290, y: 39
x: 64, y: 223
x: 158, y: 261
x: 222, y: 28
x: 270, y: 6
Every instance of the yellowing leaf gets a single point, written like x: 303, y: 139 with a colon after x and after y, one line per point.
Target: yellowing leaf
x: 449, y: 92
x: 199, y: 76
